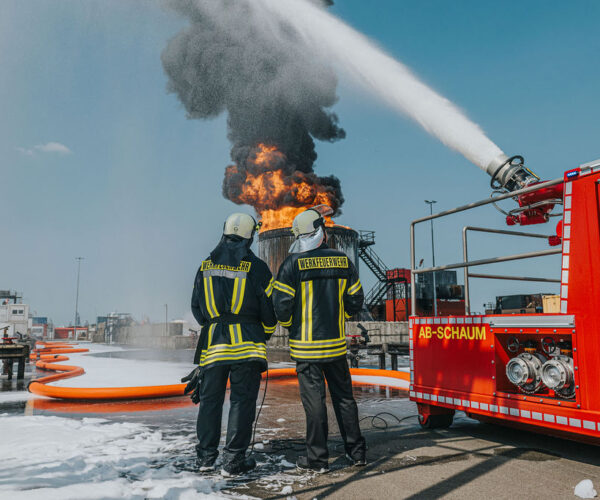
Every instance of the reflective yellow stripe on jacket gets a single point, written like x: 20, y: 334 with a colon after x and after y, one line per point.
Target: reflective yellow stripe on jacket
x: 209, y: 297
x: 317, y: 349
x: 354, y: 288
x: 270, y: 286
x: 237, y: 352
x: 307, y: 310
x: 239, y: 287
x: 341, y: 319
x: 282, y: 287
x: 269, y: 330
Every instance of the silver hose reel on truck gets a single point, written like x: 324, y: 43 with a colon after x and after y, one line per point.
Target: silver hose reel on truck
x: 525, y: 370
x: 530, y: 371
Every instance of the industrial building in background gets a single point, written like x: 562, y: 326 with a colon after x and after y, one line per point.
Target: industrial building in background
x: 14, y: 315
x: 71, y: 333
x: 42, y: 328
x: 389, y: 299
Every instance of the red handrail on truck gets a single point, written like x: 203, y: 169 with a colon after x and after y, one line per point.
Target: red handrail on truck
x: 552, y: 384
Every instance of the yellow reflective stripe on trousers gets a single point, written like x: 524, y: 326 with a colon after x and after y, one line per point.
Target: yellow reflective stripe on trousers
x: 341, y: 320
x: 287, y: 324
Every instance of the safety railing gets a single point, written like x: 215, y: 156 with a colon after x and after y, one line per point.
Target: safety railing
x: 466, y: 264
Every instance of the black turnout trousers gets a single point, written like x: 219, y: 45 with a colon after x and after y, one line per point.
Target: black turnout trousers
x: 311, y: 378
x: 244, y: 385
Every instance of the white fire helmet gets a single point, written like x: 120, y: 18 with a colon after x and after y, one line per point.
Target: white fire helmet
x: 309, y: 229
x: 242, y: 225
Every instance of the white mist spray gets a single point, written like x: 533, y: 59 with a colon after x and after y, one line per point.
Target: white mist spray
x: 379, y: 73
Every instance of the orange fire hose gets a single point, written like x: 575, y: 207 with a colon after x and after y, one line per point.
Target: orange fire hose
x: 51, y: 350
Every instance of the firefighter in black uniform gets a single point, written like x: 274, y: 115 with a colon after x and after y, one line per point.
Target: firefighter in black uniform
x: 316, y: 290
x: 232, y: 303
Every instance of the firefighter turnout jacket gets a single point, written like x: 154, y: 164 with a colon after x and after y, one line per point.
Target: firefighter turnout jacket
x: 233, y: 305
x: 315, y: 292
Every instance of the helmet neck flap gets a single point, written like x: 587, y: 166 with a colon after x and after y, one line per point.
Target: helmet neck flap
x: 231, y: 250
x: 307, y: 242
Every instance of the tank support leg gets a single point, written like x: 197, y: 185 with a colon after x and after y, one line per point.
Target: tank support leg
x: 382, y: 361
x: 21, y: 368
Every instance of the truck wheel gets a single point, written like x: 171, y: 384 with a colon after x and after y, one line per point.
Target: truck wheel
x: 436, y: 421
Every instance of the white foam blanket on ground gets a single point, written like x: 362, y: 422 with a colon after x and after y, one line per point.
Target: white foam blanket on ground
x: 120, y: 372
x: 57, y: 458
x: 385, y: 381
x: 64, y: 458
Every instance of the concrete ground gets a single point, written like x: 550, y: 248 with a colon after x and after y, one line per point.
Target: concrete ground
x: 469, y: 460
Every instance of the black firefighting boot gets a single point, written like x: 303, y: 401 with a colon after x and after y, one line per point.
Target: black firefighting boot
x: 238, y: 464
x: 206, y: 459
x: 318, y: 467
x: 361, y: 461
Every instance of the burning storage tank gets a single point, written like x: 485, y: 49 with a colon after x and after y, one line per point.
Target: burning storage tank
x: 273, y: 245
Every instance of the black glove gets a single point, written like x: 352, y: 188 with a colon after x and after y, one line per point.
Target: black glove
x: 193, y: 379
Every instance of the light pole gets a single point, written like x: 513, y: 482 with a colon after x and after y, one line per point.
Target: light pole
x: 166, y: 320
x: 78, y: 259
x: 430, y: 203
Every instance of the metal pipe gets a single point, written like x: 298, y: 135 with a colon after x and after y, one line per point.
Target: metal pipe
x: 466, y: 271
x: 466, y: 253
x: 413, y: 285
x: 487, y: 201
x: 505, y: 231
x: 493, y: 260
x: 78, y: 259
x: 430, y: 203
x: 514, y: 278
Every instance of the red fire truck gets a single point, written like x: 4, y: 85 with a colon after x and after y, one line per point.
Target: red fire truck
x: 533, y: 371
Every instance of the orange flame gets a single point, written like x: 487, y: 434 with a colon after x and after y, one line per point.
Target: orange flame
x: 277, y: 198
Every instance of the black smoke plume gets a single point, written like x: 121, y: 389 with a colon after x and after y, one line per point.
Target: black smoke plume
x: 233, y: 58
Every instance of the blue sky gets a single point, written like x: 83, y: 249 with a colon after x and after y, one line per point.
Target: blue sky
x: 139, y: 193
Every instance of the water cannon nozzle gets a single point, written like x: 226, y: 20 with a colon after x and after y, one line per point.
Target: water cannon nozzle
x: 510, y: 174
